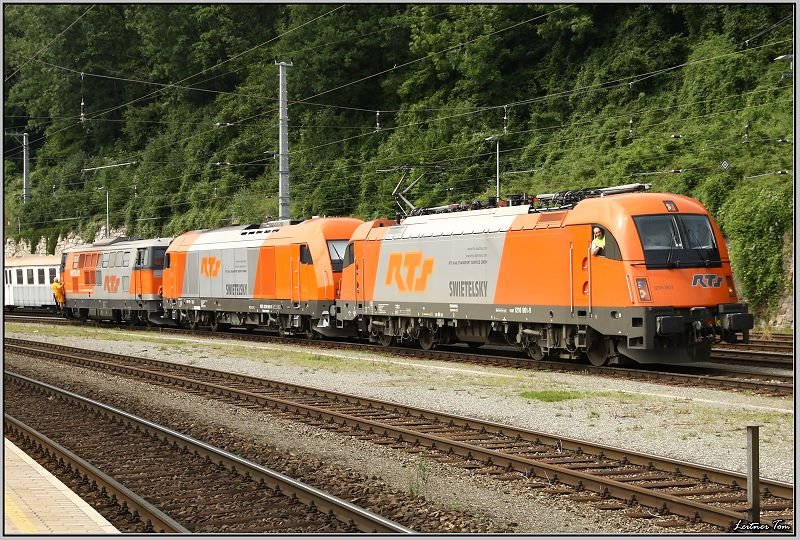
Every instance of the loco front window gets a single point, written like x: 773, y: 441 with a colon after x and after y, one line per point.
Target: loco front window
x: 677, y: 241
x: 336, y: 249
x: 698, y: 232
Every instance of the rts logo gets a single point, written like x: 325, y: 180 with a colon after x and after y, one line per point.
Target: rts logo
x: 209, y: 267
x: 706, y: 281
x: 409, y: 271
x: 111, y: 284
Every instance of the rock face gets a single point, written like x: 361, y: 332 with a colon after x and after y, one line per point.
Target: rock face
x: 783, y: 317
x: 23, y: 248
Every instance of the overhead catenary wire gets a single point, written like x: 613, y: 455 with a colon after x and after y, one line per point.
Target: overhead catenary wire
x: 327, y: 91
x: 251, y: 49
x: 356, y: 198
x: 468, y: 181
x: 40, y: 51
x: 283, y: 53
x: 483, y: 109
x: 643, y: 112
x: 777, y: 24
x: 505, y: 151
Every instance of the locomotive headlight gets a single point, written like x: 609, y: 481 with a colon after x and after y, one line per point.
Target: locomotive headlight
x: 731, y: 286
x: 644, y: 290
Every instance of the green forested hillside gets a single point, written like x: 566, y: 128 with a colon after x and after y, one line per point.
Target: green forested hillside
x: 580, y: 95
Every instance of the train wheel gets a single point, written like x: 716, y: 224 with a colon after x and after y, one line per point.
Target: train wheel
x: 217, y: 326
x: 214, y: 324
x: 193, y: 323
x: 474, y: 345
x: 384, y: 340
x: 534, y: 351
x: 426, y: 340
x: 599, y: 352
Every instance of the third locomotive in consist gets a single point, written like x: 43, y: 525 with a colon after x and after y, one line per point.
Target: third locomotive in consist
x: 660, y: 291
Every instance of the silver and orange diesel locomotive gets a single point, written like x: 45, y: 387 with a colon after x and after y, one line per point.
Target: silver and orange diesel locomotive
x: 279, y: 276
x: 116, y: 279
x: 660, y: 292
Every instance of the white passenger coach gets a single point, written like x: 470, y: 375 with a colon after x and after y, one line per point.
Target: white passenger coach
x: 27, y: 280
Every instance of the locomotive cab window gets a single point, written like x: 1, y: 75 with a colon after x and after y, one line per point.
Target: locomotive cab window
x: 158, y: 257
x: 349, y: 256
x: 141, y: 257
x: 336, y: 249
x: 305, y: 255
x: 677, y: 241
x: 126, y: 259
x: 611, y: 249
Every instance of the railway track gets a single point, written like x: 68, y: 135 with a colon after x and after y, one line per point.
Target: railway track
x: 729, y: 378
x: 171, y: 482
x: 764, y: 358
x: 598, y: 474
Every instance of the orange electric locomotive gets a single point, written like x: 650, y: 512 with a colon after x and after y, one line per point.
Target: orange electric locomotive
x: 276, y: 275
x: 656, y: 287
x: 658, y: 292
x: 116, y: 279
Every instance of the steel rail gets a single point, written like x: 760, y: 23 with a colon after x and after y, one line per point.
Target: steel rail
x: 345, y: 511
x: 664, y: 377
x: 149, y: 514
x: 580, y: 480
x: 765, y: 357
x: 723, y: 476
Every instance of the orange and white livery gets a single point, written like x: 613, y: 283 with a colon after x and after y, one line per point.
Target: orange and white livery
x: 279, y: 276
x: 659, y: 292
x: 117, y: 279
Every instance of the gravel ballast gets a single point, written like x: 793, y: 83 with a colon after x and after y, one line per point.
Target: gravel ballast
x: 691, y: 424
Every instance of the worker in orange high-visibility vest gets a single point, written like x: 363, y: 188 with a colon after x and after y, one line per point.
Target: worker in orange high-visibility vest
x: 58, y: 293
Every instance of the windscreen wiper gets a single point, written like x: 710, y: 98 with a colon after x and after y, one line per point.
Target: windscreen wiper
x: 669, y: 263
